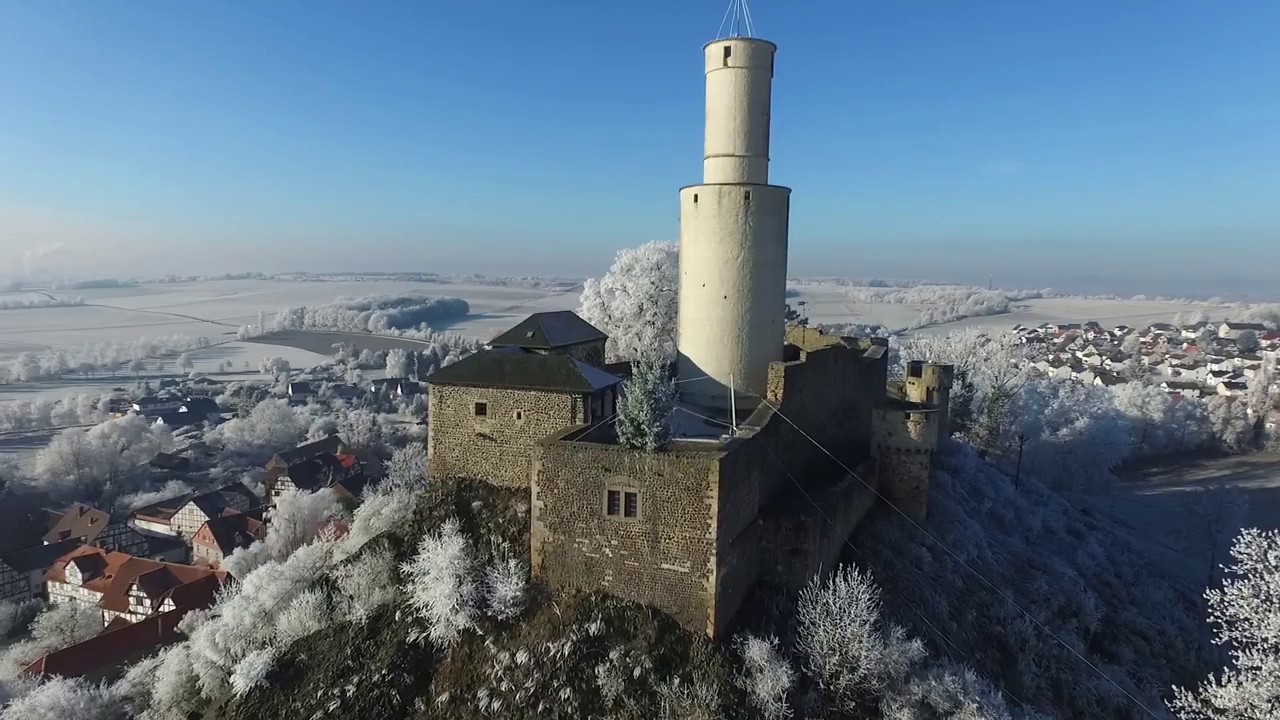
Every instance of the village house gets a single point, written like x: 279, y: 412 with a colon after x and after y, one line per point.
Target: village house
x: 279, y: 463
x: 1232, y: 330
x: 92, y: 526
x: 22, y: 571
x: 104, y: 656
x: 395, y: 388
x: 183, y: 515
x: 341, y: 473
x: 127, y: 587
x: 221, y: 536
x: 153, y: 406
x: 300, y: 392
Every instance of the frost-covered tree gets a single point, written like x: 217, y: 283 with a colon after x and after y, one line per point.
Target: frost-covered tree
x: 185, y: 362
x: 360, y: 430
x: 1246, y: 611
x: 83, y: 465
x: 647, y: 404
x: 137, y: 366
x: 407, y: 467
x: 244, y: 333
x: 57, y: 627
x: 270, y: 427
x: 397, y: 363
x: 635, y: 302
x: 62, y: 698
x: 842, y: 643
x: 1231, y: 426
x: 367, y: 583
x: 441, y: 584
x: 944, y: 692
x: 1248, y: 341
x: 275, y: 366
x: 766, y: 676
x: 298, y: 518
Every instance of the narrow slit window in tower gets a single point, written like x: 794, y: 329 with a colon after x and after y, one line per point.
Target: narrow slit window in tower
x: 728, y: 53
x: 748, y: 196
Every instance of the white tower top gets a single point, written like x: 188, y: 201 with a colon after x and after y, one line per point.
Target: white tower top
x: 733, y: 237
x: 739, y: 93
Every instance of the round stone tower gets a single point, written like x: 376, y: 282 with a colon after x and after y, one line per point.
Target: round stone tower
x: 733, y: 237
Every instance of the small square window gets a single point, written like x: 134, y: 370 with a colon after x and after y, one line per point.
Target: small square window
x: 613, y: 503
x: 517, y: 415
x: 482, y: 409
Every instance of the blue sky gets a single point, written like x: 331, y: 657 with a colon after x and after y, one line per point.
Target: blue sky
x: 1075, y: 144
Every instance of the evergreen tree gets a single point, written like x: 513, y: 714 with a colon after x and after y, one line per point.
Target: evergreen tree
x: 648, y: 400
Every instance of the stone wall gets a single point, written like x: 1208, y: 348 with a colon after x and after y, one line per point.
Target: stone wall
x: 665, y: 558
x: 591, y: 353
x: 497, y: 447
x: 905, y: 440
x: 801, y: 539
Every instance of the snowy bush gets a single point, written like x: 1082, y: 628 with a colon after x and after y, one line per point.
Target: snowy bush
x: 252, y: 671
x: 635, y: 302
x: 16, y: 615
x: 766, y: 676
x: 944, y: 692
x: 309, y: 612
x: 407, y: 467
x: 61, y: 699
x: 272, y: 426
x: 1246, y: 612
x: 366, y: 584
x: 840, y: 638
x: 505, y: 583
x: 381, y: 314
x: 441, y: 583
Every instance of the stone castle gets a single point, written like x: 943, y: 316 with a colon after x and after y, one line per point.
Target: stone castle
x: 784, y: 436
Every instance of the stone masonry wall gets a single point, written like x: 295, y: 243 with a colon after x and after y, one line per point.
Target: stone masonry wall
x: 904, y: 447
x: 665, y: 558
x: 591, y: 353
x: 497, y: 448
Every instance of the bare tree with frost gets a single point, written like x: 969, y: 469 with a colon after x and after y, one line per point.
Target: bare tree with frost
x: 766, y: 676
x: 1246, y: 611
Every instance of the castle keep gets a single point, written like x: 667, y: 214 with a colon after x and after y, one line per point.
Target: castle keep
x: 785, y: 437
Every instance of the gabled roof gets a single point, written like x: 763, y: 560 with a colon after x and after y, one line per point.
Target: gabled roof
x: 40, y: 557
x: 79, y: 521
x: 232, y: 495
x: 1256, y: 327
x: 118, y: 644
x: 324, y: 446
x: 549, y: 330
x: 233, y: 531
x: 163, y: 510
x: 318, y: 472
x: 516, y: 368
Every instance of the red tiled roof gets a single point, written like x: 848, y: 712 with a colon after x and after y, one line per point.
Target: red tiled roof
x: 112, y: 647
x: 118, y: 571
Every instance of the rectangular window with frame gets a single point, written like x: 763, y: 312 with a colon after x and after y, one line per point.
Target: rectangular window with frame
x: 622, y: 504
x: 631, y: 504
x: 482, y: 409
x: 613, y: 503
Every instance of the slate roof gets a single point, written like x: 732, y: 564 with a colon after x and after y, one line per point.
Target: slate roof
x: 40, y: 557
x: 549, y: 330
x: 233, y: 495
x: 516, y: 368
x: 163, y: 510
x: 1256, y: 327
x: 324, y: 446
x: 233, y: 531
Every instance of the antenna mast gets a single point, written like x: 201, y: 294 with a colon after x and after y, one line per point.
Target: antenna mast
x: 737, y: 20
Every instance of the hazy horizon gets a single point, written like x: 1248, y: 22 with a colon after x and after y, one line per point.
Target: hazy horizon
x: 1091, y: 148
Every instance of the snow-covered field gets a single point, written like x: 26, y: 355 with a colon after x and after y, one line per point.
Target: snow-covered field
x: 217, y: 309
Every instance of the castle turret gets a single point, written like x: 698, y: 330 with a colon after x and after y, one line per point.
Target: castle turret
x: 930, y: 384
x: 733, y: 236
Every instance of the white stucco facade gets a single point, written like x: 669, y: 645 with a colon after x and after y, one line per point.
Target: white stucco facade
x: 733, y: 236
